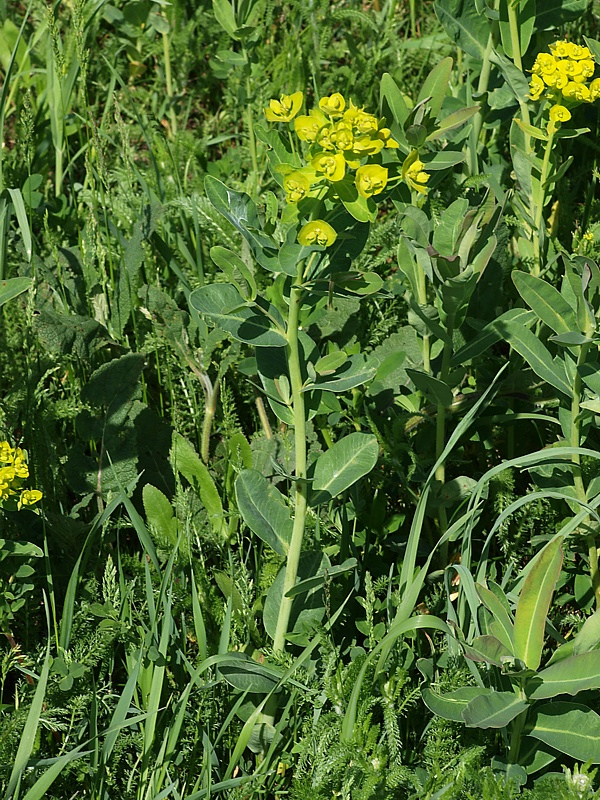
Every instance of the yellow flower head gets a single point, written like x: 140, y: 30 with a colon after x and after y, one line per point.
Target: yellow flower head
x: 365, y: 146
x: 29, y: 497
x: 560, y: 49
x: 577, y: 51
x: 6, y: 453
x: 595, y: 89
x: 284, y: 109
x: 536, y: 87
x: 7, y: 476
x: 307, y: 126
x: 296, y: 185
x: 332, y: 165
x: 317, y: 232
x: 587, y: 68
x: 544, y: 64
x: 342, y: 136
x: 333, y: 105
x: 556, y: 79
x: 577, y: 91
x: 413, y: 172
x: 365, y: 123
x: 559, y: 114
x: 324, y: 138
x: 370, y: 180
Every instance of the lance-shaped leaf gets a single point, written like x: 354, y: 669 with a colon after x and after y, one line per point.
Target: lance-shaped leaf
x: 570, y: 728
x: 264, y: 510
x: 435, y: 390
x: 494, y: 710
x: 465, y: 25
x: 451, y: 705
x: 534, y: 602
x: 187, y: 462
x: 342, y: 465
x: 435, y: 86
x: 247, y: 675
x: 503, y: 624
x: 12, y: 288
x: 226, y: 308
x: 570, y: 676
x: 547, y: 302
x: 535, y: 354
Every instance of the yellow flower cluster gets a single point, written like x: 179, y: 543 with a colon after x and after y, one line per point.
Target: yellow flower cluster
x: 562, y: 75
x: 342, y: 138
x: 13, y: 471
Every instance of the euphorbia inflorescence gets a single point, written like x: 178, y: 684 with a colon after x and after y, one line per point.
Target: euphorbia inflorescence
x: 13, y: 472
x: 565, y: 78
x: 345, y: 143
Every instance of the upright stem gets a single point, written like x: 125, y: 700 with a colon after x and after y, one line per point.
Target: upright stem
x: 577, y: 476
x: 515, y: 39
x: 541, y: 202
x: 440, y: 443
x: 300, y: 490
x: 251, y: 137
x: 422, y: 300
x: 482, y: 87
x: 169, y: 82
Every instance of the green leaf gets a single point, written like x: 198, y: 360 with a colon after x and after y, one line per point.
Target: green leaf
x: 558, y: 174
x: 342, y: 465
x: 435, y: 390
x: 570, y: 728
x: 452, y: 121
x: 328, y: 364
x: 308, y: 609
x: 535, y: 354
x: 355, y: 371
x: 236, y: 271
x: 589, y: 635
x: 451, y: 705
x: 490, y: 334
x: 435, y: 86
x: 187, y: 462
x: 247, y: 675
x: 393, y: 105
x: 526, y: 14
x: 13, y: 287
x: 444, y: 159
x: 536, y: 133
x: 465, y: 25
x: 264, y: 510
x: 554, y: 13
x: 23, y: 220
x: 319, y: 580
x: 494, y: 710
x: 505, y: 626
x: 534, y: 602
x: 546, y: 301
x: 447, y: 233
x: 226, y: 308
x: 225, y: 16
x: 569, y: 676
x: 487, y: 649
x: 159, y: 513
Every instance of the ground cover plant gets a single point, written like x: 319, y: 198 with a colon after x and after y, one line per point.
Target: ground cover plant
x: 299, y: 467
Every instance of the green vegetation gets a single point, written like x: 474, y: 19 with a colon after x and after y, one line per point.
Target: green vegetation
x: 300, y: 400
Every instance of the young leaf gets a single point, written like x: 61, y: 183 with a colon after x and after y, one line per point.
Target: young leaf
x: 435, y: 86
x: 534, y: 603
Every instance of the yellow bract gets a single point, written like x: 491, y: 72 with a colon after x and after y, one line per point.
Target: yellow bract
x: 296, y: 185
x: 559, y: 114
x: 317, y: 232
x: 332, y: 165
x: 13, y: 469
x: 371, y: 179
x: 284, y: 109
x: 560, y: 72
x: 333, y: 105
x: 413, y: 172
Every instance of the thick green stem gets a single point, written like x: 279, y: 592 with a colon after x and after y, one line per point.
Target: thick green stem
x: 538, y: 216
x: 578, y: 477
x: 422, y: 300
x: 300, y: 490
x: 482, y: 87
x: 517, y: 732
x: 515, y: 40
x: 251, y: 139
x: 440, y: 443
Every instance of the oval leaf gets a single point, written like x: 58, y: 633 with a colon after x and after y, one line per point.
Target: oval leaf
x: 573, y: 675
x: 264, y: 510
x: 451, y: 705
x: 342, y: 465
x: 494, y: 710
